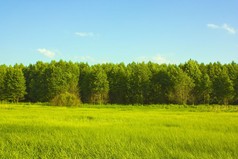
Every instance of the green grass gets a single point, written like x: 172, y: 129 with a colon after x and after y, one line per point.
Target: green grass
x: 36, y: 131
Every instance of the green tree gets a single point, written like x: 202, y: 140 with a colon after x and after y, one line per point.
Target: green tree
x: 36, y: 82
x: 223, y: 88
x: 84, y: 82
x: 46, y: 80
x: 3, y: 69
x: 192, y: 69
x: 99, y: 85
x: 232, y: 69
x: 213, y: 71
x: 65, y: 99
x: 14, y: 84
x: 62, y: 77
x: 161, y: 85
x: 138, y: 84
x: 205, y: 89
x: 182, y: 85
x: 117, y: 77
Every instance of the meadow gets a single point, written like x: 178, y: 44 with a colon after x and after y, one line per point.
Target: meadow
x: 123, y: 132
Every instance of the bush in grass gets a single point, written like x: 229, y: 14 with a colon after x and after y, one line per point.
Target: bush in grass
x: 66, y: 99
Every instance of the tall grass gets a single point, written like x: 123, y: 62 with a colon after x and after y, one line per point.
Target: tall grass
x: 32, y: 131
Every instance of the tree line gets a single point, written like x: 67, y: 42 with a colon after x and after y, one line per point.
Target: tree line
x: 134, y: 83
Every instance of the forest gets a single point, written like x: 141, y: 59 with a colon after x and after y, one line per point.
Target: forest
x: 134, y: 83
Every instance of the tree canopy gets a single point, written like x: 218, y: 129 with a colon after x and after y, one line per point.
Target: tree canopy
x: 134, y: 83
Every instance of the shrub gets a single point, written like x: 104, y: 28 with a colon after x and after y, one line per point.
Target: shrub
x: 66, y: 99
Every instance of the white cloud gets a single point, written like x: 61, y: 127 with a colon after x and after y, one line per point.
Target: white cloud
x: 90, y: 59
x: 86, y: 59
x: 213, y: 26
x: 225, y: 26
x: 229, y: 29
x: 84, y: 34
x: 46, y: 53
x: 157, y: 59
x: 160, y: 59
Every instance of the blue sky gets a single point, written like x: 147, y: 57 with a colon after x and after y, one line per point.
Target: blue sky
x: 98, y: 31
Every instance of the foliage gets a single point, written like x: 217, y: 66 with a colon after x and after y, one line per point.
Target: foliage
x: 182, y: 86
x: 134, y: 83
x: 223, y: 88
x: 138, y: 83
x: 117, y: 77
x: 3, y: 70
x: 45, y: 81
x: 65, y: 99
x: 14, y: 85
x: 99, y: 85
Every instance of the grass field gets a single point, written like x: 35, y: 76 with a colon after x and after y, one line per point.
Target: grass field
x: 36, y: 131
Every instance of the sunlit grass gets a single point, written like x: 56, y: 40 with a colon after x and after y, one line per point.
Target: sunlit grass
x: 33, y: 131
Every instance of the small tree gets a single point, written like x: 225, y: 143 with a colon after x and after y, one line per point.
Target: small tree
x: 65, y: 99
